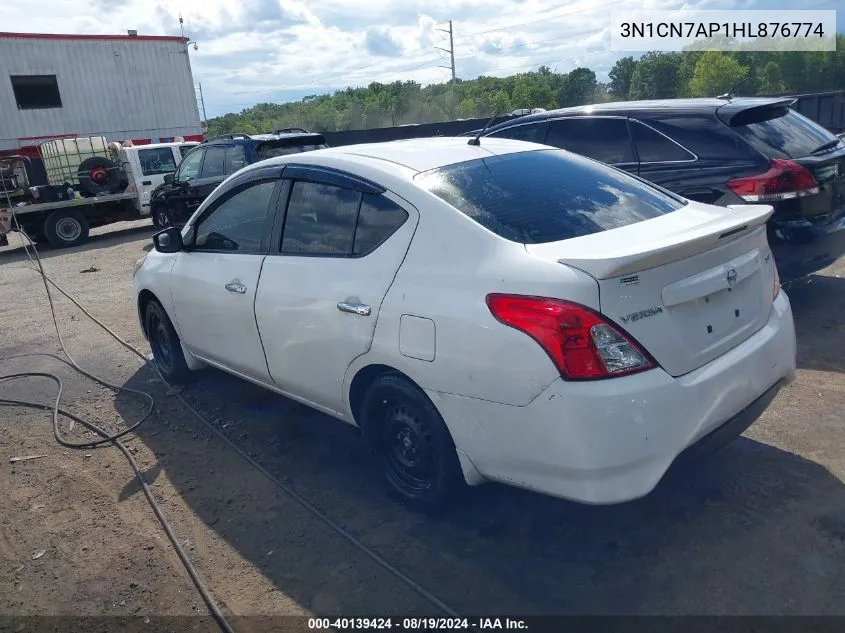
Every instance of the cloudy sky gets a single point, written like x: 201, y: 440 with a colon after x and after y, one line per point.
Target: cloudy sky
x: 253, y: 51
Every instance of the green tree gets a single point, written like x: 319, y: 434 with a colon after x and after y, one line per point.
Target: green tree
x: 620, y: 77
x: 578, y: 88
x: 656, y: 76
x: 715, y: 73
x: 770, y: 80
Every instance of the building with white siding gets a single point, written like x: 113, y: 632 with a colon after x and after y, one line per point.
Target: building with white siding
x: 123, y: 87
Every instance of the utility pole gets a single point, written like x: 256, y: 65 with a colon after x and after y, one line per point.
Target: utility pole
x: 202, y: 101
x: 450, y: 50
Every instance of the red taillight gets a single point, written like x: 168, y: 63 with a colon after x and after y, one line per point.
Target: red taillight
x: 784, y: 179
x: 581, y: 343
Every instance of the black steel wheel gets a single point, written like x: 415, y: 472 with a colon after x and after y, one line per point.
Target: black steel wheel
x: 416, y: 455
x: 164, y: 342
x: 162, y: 218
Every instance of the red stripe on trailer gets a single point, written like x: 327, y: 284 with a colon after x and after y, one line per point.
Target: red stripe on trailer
x: 141, y: 141
x: 194, y: 137
x: 63, y: 36
x: 46, y: 136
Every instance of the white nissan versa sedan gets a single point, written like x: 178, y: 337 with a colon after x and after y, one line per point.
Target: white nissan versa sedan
x: 503, y: 311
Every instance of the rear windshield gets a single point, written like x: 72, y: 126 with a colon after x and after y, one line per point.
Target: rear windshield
x: 283, y: 147
x: 546, y: 196
x: 781, y: 132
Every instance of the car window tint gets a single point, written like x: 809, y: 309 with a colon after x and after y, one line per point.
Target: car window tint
x: 602, y: 139
x: 705, y: 135
x: 235, y: 159
x: 653, y: 147
x: 545, y: 196
x: 532, y: 132
x: 284, y: 147
x: 212, y: 166
x: 780, y: 132
x: 156, y: 161
x: 320, y: 219
x: 184, y: 149
x: 378, y: 219
x: 190, y: 166
x: 237, y: 223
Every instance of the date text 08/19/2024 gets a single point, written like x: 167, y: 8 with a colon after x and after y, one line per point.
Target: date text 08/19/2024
x: 416, y: 624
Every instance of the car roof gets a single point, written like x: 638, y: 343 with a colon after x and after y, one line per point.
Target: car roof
x: 238, y: 137
x: 699, y: 105
x: 419, y: 154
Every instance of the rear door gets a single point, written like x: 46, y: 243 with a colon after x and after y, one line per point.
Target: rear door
x: 601, y: 138
x: 318, y: 300
x: 214, y: 281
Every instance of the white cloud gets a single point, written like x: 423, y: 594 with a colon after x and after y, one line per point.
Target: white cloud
x: 275, y: 50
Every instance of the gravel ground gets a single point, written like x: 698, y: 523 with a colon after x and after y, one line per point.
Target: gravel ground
x: 758, y: 528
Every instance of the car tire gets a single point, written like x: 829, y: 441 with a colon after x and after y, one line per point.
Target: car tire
x: 98, y: 175
x: 162, y: 218
x: 165, y: 344
x: 416, y: 456
x: 66, y: 228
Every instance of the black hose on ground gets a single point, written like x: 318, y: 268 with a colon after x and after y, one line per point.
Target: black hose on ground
x: 105, y: 437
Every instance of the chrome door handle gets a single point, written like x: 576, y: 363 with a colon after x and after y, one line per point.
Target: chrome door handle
x: 355, y: 308
x: 236, y: 286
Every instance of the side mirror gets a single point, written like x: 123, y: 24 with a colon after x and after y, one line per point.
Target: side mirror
x: 169, y: 178
x: 169, y: 240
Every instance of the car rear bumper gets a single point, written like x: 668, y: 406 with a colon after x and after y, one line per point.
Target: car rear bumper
x: 803, y: 250
x: 612, y: 441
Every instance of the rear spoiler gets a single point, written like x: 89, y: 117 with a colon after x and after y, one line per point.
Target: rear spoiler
x: 728, y: 112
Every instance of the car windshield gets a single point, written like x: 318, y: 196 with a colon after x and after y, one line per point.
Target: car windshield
x: 546, y: 196
x: 781, y: 132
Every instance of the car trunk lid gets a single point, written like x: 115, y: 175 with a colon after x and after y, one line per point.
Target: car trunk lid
x: 688, y: 286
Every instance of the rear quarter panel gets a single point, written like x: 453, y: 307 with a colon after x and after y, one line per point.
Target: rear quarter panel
x: 451, y: 266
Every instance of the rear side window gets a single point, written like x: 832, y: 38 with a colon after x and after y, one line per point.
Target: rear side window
x: 156, y: 161
x: 532, y: 132
x: 235, y: 159
x: 606, y: 140
x: 780, y: 132
x: 213, y: 165
x: 653, y: 147
x: 546, y: 196
x: 378, y: 219
x: 320, y: 219
x: 284, y: 147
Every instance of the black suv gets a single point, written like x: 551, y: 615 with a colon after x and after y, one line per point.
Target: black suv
x: 718, y: 151
x: 214, y: 160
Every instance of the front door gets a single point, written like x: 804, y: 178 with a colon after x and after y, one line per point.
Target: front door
x: 181, y: 197
x: 149, y: 168
x: 215, y: 281
x: 318, y: 299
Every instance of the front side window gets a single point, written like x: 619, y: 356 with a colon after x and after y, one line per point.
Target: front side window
x: 156, y: 161
x: 190, y: 166
x: 213, y: 165
x: 544, y: 196
x: 237, y: 222
x: 320, y: 219
x: 606, y: 140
